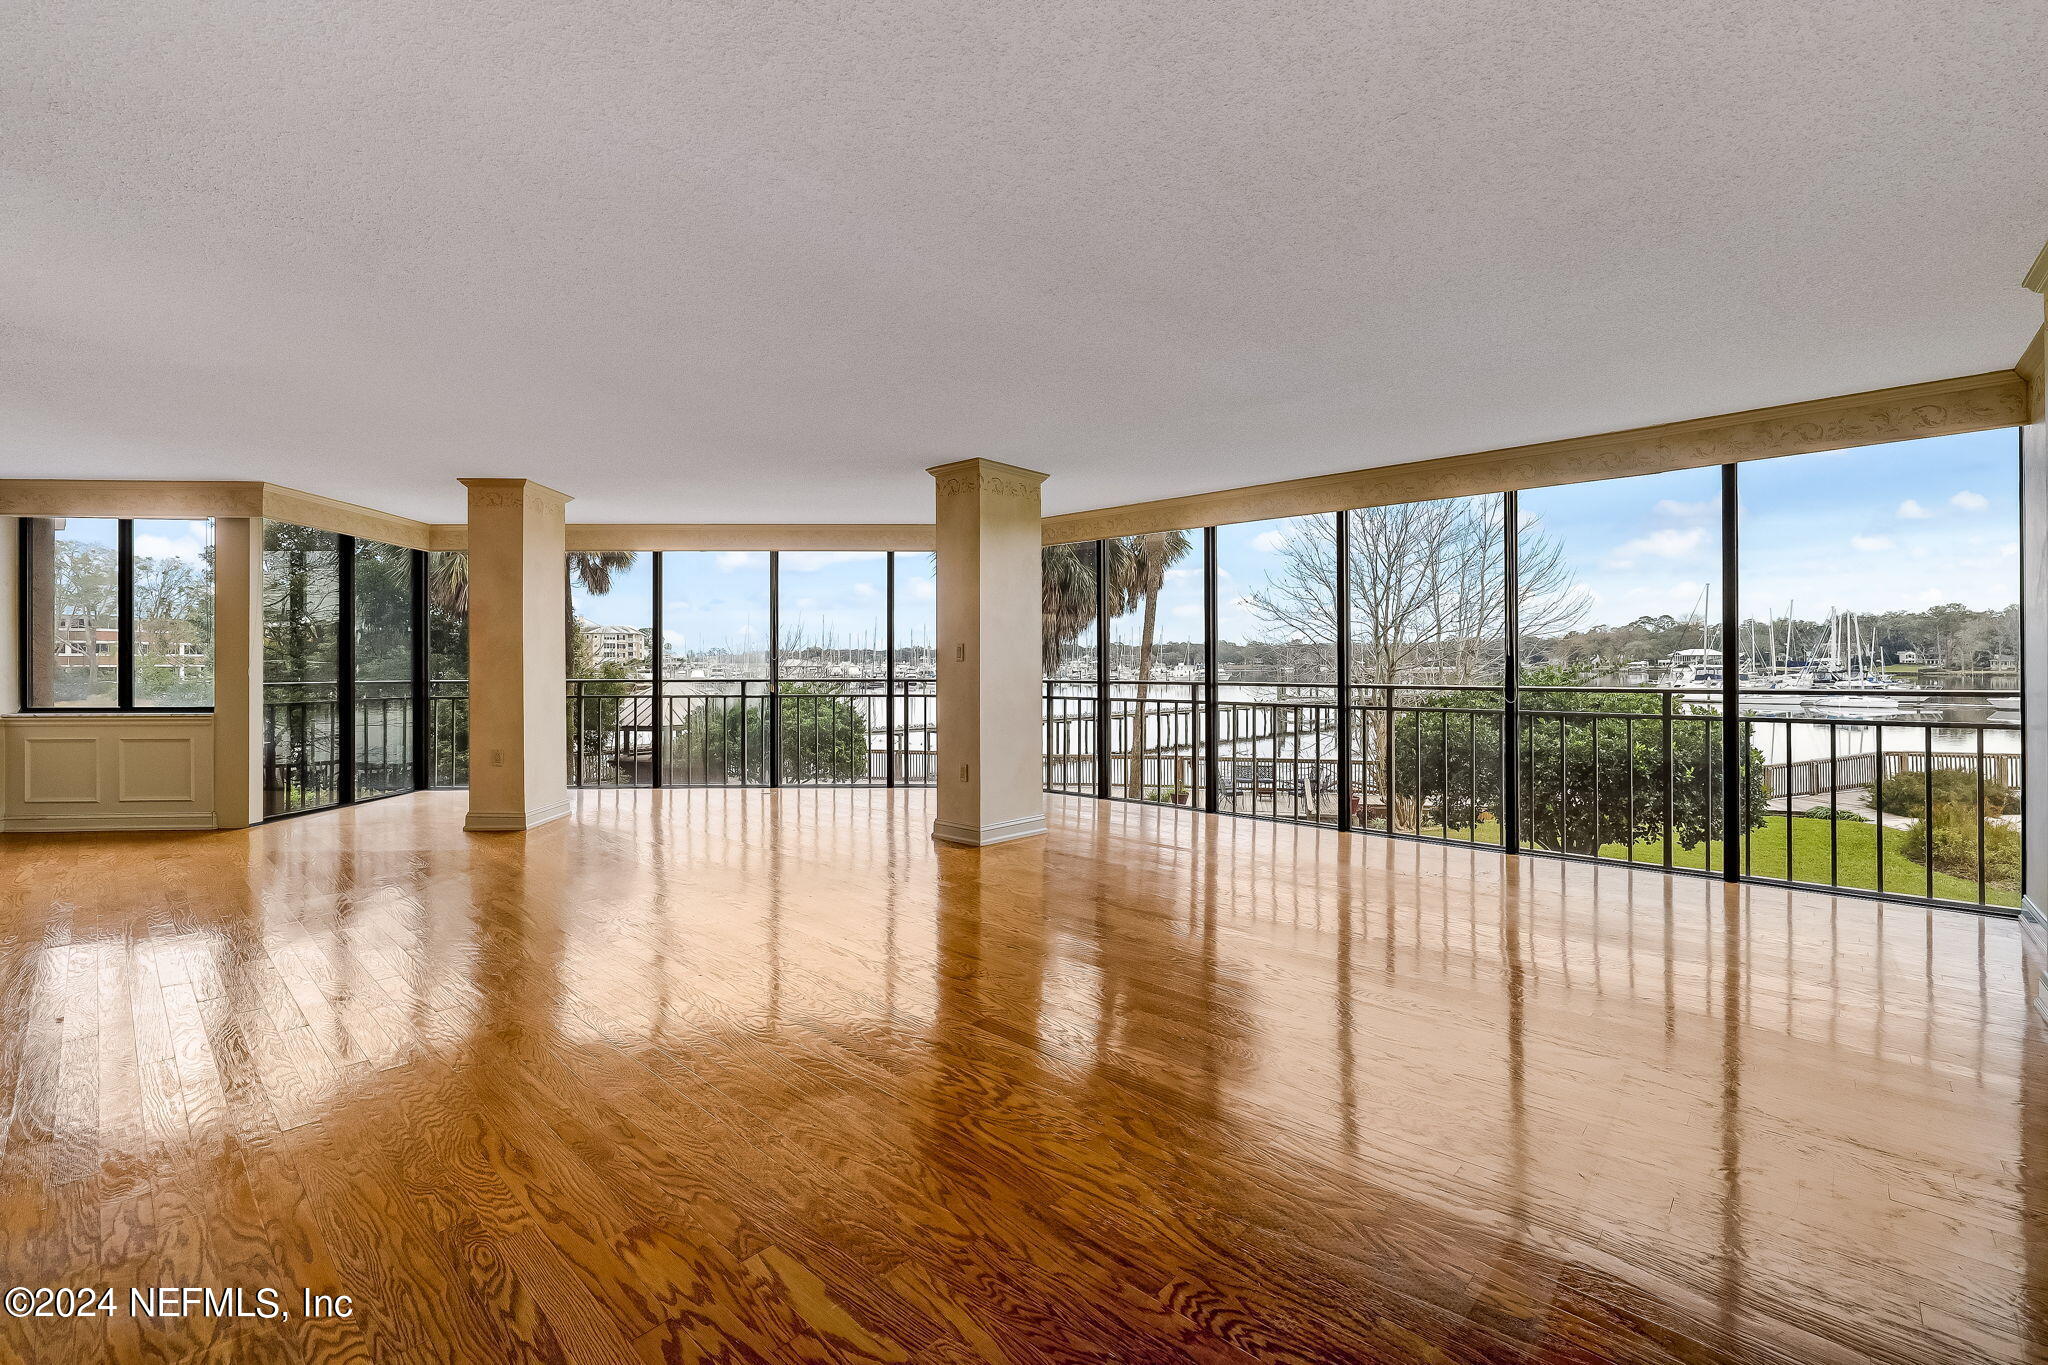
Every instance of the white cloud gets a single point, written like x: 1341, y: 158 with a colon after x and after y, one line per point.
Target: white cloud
x: 1671, y: 507
x: 2010, y: 548
x: 1970, y: 502
x: 739, y: 559
x: 168, y: 547
x: 809, y: 561
x: 1185, y: 609
x: 1871, y: 544
x: 924, y: 590
x: 1910, y: 510
x: 1665, y: 543
x: 1269, y: 542
x: 866, y: 590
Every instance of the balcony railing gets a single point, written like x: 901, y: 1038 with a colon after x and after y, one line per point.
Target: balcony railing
x: 854, y: 732
x: 1915, y: 798
x: 302, y: 758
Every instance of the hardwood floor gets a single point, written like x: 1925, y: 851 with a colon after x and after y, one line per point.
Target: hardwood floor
x: 743, y: 1076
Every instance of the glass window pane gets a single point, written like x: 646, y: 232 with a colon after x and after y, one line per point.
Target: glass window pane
x: 384, y: 692
x: 1620, y: 659
x: 916, y: 646
x: 1428, y: 624
x: 173, y: 613
x: 1069, y: 595
x: 834, y: 625
x: 1276, y: 667
x: 714, y: 617
x: 301, y: 639
x: 1068, y: 655
x: 448, y: 668
x: 1880, y: 648
x: 1156, y: 637
x: 73, y: 611
x: 611, y: 664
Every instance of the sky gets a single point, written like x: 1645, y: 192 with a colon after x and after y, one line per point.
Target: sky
x: 719, y: 599
x: 1897, y: 526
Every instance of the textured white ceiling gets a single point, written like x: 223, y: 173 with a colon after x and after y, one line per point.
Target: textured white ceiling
x: 766, y: 261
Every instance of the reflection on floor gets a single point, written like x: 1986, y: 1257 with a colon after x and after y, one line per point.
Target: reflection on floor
x: 769, y: 1077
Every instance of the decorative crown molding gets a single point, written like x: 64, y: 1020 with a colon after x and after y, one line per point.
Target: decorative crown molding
x: 2037, y: 275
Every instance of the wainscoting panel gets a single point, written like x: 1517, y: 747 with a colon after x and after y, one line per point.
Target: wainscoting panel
x: 106, y: 772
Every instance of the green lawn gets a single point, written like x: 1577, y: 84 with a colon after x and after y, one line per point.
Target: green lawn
x: 1856, y: 853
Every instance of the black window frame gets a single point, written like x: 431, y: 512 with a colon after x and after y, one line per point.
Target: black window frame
x: 124, y: 645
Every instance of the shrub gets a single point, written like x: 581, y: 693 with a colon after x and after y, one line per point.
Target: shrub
x: 1954, y: 847
x: 1905, y: 793
x: 1846, y: 816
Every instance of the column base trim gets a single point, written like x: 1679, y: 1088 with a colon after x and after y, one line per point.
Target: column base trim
x: 981, y: 836
x: 499, y: 822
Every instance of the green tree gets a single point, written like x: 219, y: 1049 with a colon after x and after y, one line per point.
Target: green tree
x: 1577, y: 768
x: 720, y: 740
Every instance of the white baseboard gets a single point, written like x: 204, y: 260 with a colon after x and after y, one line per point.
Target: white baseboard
x: 980, y: 836
x: 104, y: 823
x: 499, y: 822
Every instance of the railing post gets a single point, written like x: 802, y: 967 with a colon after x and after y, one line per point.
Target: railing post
x: 657, y: 693
x: 1102, y: 728
x: 422, y: 713
x: 1511, y: 695
x: 774, y: 669
x: 889, y: 671
x: 1344, y: 671
x: 1211, y: 708
x: 1734, y: 783
x: 1670, y: 773
x: 345, y: 673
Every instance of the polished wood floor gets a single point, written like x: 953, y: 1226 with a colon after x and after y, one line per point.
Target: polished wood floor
x: 758, y: 1077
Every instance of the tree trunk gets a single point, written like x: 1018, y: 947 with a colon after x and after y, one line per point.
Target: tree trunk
x: 1135, y: 778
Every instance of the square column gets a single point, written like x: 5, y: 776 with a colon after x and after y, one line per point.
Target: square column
x: 518, y: 598
x: 237, y: 672
x: 990, y: 777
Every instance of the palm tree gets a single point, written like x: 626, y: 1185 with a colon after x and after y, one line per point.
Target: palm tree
x: 448, y: 582
x: 1135, y: 574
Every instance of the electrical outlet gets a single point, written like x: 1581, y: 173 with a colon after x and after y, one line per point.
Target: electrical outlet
x: 960, y: 654
x: 963, y: 772
x: 497, y: 758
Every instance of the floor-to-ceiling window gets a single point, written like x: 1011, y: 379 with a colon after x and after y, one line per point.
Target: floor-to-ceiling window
x: 1070, y: 649
x: 832, y: 669
x: 1157, y: 665
x: 447, y: 669
x: 1620, y: 668
x: 1276, y: 669
x: 914, y: 671
x: 1427, y: 622
x: 1550, y: 668
x: 717, y: 635
x: 343, y: 669
x: 302, y: 630
x: 612, y: 654
x: 1879, y: 639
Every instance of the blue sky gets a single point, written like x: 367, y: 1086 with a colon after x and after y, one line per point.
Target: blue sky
x: 719, y: 599
x: 1904, y: 525
x: 1899, y: 526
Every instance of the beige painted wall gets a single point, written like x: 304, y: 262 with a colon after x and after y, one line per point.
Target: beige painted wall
x: 990, y: 779
x: 238, y: 671
x: 107, y: 772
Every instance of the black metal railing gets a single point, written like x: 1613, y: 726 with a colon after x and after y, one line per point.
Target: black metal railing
x: 751, y: 732
x: 302, y: 744
x: 447, y: 733
x: 1915, y: 797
